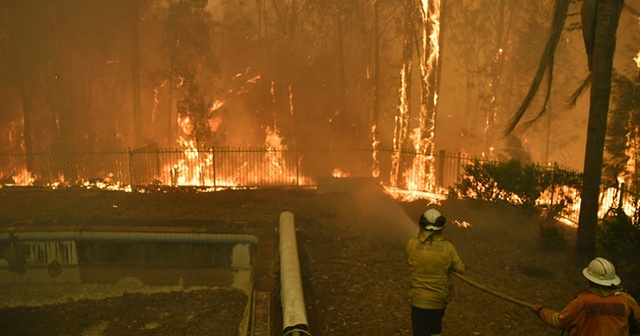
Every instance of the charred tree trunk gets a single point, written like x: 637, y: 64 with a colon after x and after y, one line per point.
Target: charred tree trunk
x: 490, y: 105
x: 26, y: 125
x: 342, y: 119
x: 287, y: 15
x: 423, y: 170
x: 400, y: 131
x: 601, y: 53
x: 23, y: 72
x: 430, y: 58
x: 375, y: 133
x: 135, y: 73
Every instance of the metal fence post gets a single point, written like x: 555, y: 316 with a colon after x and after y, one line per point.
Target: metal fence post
x: 50, y: 168
x: 131, y: 167
x: 297, y: 168
x: 458, y: 175
x: 213, y: 166
x: 440, y: 170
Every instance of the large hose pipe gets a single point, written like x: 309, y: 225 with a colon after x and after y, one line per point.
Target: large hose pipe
x: 294, y: 314
x: 493, y: 291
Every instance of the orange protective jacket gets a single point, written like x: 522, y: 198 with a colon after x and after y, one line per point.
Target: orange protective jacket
x: 596, y: 312
x: 431, y: 258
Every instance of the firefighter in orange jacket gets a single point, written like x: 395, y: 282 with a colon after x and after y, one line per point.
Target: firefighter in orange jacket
x: 431, y: 259
x: 602, y: 310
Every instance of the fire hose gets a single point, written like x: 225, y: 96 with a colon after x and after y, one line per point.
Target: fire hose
x: 493, y: 292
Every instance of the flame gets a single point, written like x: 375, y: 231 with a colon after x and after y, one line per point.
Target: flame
x: 291, y: 101
x: 216, y: 105
x: 186, y: 125
x: 23, y: 178
x: 431, y: 43
x: 337, y: 172
x: 419, y: 175
x: 189, y: 170
x: 415, y: 173
x: 274, y: 146
x: 156, y: 101
x: 637, y: 59
x: 401, y: 124
x: 375, y: 166
x: 198, y: 168
x: 254, y: 80
x: 214, y: 123
x: 413, y: 195
x: 272, y: 91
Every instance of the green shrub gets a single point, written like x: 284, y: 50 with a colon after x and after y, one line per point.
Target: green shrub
x: 539, y: 190
x: 514, y: 182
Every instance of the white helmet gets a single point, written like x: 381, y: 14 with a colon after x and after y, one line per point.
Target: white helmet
x: 602, y: 272
x: 432, y: 220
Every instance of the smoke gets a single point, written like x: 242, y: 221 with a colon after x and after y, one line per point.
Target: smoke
x: 383, y: 215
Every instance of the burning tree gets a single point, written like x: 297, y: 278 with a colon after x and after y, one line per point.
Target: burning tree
x: 419, y: 175
x: 622, y: 143
x: 193, y: 69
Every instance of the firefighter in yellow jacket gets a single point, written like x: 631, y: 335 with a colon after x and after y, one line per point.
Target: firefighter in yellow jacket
x: 602, y: 310
x: 431, y: 259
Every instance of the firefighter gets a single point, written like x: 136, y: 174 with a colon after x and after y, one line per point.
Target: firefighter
x: 431, y: 259
x: 602, y: 310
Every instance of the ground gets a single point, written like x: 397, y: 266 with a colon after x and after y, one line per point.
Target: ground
x: 351, y: 254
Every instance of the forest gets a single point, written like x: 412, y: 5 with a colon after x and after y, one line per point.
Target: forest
x: 95, y: 76
x: 504, y: 81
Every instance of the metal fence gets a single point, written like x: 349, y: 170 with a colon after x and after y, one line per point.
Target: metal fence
x: 220, y: 168
x: 217, y: 167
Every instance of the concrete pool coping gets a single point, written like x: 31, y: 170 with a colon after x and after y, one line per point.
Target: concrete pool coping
x: 241, y: 258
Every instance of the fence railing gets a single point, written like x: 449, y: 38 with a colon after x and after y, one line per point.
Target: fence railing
x: 241, y: 168
x: 215, y: 167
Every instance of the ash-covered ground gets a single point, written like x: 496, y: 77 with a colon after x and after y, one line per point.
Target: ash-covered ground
x: 351, y: 252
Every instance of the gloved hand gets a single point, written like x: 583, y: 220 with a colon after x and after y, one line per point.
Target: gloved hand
x: 537, y: 308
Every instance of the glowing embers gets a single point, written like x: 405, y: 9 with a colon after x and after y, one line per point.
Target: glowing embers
x: 463, y: 224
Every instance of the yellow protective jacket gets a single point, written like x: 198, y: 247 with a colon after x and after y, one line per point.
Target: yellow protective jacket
x: 596, y: 312
x: 431, y: 258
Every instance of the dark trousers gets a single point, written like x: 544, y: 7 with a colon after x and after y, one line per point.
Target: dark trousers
x: 426, y: 321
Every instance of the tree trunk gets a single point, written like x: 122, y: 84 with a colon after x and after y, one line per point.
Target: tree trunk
x: 400, y: 131
x: 490, y: 105
x: 430, y: 59
x: 342, y: 105
x: 23, y: 74
x: 423, y: 169
x: 26, y: 124
x: 604, y: 43
x: 375, y: 133
x: 135, y: 73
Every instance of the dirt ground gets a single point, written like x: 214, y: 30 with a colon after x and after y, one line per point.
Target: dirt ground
x: 351, y: 252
